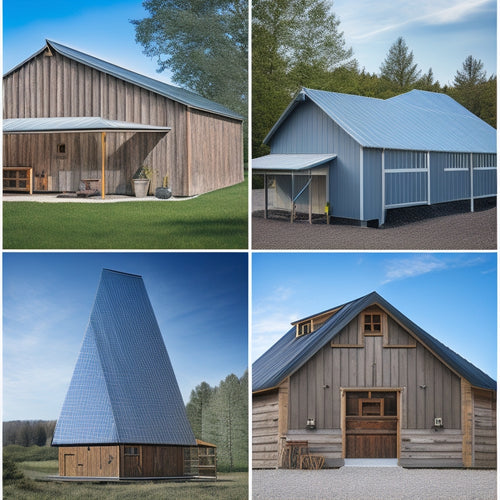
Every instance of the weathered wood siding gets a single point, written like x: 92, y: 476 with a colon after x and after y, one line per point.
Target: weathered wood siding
x: 265, y: 435
x: 484, y: 447
x: 315, y: 388
x: 89, y: 461
x: 153, y: 461
x: 429, y: 448
x: 55, y: 86
x: 216, y: 152
x: 327, y: 443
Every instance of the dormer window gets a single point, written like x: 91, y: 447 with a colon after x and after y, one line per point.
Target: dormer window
x: 303, y: 328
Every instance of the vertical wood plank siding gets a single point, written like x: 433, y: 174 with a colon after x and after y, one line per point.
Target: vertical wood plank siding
x: 56, y: 86
x: 90, y: 461
x: 315, y: 388
x: 216, y: 152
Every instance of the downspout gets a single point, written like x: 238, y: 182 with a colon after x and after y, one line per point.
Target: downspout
x: 361, y: 187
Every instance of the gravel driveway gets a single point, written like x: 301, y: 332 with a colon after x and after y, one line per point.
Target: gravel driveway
x: 453, y: 231
x: 374, y: 483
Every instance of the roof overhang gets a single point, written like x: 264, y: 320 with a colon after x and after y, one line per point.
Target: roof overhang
x: 75, y: 124
x: 290, y: 162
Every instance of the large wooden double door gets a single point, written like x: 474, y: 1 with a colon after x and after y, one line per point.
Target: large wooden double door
x: 371, y: 424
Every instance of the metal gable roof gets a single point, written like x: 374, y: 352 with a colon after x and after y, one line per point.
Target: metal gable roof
x: 290, y: 353
x: 123, y: 388
x: 74, y: 124
x: 418, y: 120
x: 178, y: 94
x: 288, y: 162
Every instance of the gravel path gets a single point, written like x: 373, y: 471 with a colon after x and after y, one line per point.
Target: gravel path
x: 374, y: 483
x: 455, y: 231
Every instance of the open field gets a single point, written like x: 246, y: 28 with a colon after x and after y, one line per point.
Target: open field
x: 232, y: 486
x: 216, y: 220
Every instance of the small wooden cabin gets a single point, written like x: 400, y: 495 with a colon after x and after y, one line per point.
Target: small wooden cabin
x: 202, y: 151
x: 363, y: 381
x: 123, y: 415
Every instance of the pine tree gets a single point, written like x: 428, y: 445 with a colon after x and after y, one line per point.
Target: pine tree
x: 398, y: 66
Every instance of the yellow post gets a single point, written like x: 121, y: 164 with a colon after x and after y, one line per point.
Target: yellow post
x: 103, y: 164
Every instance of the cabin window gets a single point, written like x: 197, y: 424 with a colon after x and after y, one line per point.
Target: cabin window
x: 373, y: 323
x: 131, y: 450
x: 61, y: 149
x: 303, y: 328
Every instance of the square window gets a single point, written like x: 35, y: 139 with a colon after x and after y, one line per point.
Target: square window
x: 61, y: 149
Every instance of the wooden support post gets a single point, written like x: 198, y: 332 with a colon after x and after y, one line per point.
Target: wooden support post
x: 103, y: 165
x: 266, y: 199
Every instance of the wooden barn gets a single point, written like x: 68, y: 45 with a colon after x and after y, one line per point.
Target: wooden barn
x: 362, y: 381
x: 72, y: 117
x: 123, y: 415
x: 356, y: 157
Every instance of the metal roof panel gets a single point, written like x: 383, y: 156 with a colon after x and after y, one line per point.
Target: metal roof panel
x: 289, y: 162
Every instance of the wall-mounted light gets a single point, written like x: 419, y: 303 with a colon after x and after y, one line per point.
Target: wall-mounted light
x: 438, y: 422
x: 423, y: 386
x: 311, y: 424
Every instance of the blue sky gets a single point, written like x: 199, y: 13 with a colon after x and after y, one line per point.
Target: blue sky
x: 200, y: 302
x: 441, y: 33
x: 452, y: 296
x: 100, y: 28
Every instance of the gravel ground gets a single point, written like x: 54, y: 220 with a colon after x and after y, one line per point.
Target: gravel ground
x: 430, y: 228
x: 374, y: 483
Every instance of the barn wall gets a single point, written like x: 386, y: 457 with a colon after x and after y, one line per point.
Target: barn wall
x: 153, y: 461
x: 429, y: 448
x: 89, y: 461
x: 57, y: 86
x: 484, y: 430
x: 372, y: 192
x: 265, y: 435
x: 374, y: 365
x: 309, y: 130
x: 216, y: 152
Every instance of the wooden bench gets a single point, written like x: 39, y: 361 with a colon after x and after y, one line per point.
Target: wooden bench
x: 18, y: 179
x: 309, y: 461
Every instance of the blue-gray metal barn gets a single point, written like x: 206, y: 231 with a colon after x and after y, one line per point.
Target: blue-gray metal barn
x: 356, y: 157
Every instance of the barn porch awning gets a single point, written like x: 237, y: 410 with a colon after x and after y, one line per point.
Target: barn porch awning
x: 78, y: 125
x: 290, y: 162
x: 74, y: 124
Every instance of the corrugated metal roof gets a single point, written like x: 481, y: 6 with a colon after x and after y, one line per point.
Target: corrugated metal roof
x: 290, y: 353
x: 74, y: 124
x: 418, y: 120
x: 290, y: 162
x: 123, y: 389
x: 183, y: 96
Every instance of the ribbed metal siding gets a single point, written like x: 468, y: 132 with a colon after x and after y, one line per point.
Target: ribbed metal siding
x: 372, y: 162
x: 402, y: 186
x: 310, y: 130
x: 485, y: 174
x: 450, y: 177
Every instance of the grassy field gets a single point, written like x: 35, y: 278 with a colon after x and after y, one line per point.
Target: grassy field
x: 232, y: 486
x: 217, y: 220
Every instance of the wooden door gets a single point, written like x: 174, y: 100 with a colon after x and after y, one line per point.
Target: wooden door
x: 371, y: 422
x: 69, y: 464
x: 132, y: 461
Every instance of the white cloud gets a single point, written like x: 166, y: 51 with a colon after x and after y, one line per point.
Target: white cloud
x: 366, y: 19
x: 410, y: 267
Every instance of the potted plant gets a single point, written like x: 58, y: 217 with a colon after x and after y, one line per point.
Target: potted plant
x: 141, y: 181
x: 163, y: 192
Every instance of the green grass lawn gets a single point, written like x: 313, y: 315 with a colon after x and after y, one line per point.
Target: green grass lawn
x: 217, y: 220
x: 232, y: 486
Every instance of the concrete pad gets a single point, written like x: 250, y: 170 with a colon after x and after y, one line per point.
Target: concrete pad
x: 371, y: 462
x: 110, y: 198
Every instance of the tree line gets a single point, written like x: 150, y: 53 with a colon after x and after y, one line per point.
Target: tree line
x: 28, y: 432
x: 298, y: 43
x: 219, y: 415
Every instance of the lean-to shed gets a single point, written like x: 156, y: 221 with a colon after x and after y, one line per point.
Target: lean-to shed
x: 361, y: 380
x: 359, y: 156
x: 123, y: 415
x: 137, y: 121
